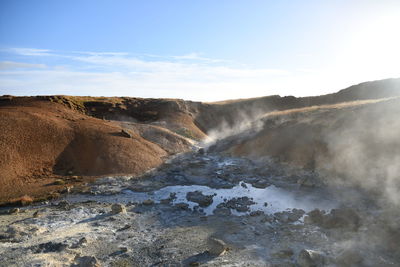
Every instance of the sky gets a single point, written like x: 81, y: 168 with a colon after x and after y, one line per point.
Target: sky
x: 204, y: 50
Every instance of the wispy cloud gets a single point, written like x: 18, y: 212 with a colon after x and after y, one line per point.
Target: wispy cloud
x: 10, y: 65
x: 30, y: 51
x: 191, y: 76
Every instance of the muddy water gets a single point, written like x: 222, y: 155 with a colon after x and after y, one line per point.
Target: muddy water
x: 269, y: 200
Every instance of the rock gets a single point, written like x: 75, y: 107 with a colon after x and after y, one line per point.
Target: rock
x: 216, y: 246
x: 240, y: 204
x: 63, y: 204
x: 256, y: 213
x: 310, y: 258
x: 14, y: 211
x: 222, y: 212
x: 82, y: 242
x: 59, y: 182
x: 201, y: 151
x: 315, y: 217
x: 243, y: 185
x: 86, y: 261
x: 182, y: 206
x: 342, y: 218
x: 118, y: 208
x: 199, y: 198
x: 337, y: 218
x: 260, y: 184
x: 37, y: 214
x: 125, y: 133
x: 49, y: 247
x: 284, y: 253
x: 148, y: 202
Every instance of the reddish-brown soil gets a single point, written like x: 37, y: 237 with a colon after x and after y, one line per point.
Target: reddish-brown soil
x: 41, y: 141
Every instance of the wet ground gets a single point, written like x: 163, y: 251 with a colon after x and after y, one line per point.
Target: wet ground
x: 261, y: 215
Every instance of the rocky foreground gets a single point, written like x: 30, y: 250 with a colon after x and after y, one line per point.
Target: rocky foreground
x: 169, y: 217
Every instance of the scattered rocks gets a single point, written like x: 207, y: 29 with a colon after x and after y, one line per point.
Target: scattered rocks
x: 199, y: 198
x: 118, y: 208
x: 310, y: 258
x: 216, y: 246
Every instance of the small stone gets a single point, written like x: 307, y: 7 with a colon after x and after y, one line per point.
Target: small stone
x: 284, y: 253
x: 148, y: 202
x: 118, y: 208
x: 59, y: 182
x: 37, y: 214
x: 310, y: 258
x: 125, y: 133
x: 199, y: 198
x: 256, y: 213
x: 14, y: 211
x: 82, y: 242
x: 216, y: 246
x: 182, y: 206
x: 63, y: 204
x: 86, y: 261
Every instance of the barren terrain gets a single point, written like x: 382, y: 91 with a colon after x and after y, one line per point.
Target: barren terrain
x: 272, y: 181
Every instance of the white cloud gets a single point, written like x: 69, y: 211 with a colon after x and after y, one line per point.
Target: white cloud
x: 7, y: 65
x: 30, y: 51
x: 189, y: 77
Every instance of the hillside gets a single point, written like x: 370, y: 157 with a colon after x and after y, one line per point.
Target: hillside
x: 47, y: 140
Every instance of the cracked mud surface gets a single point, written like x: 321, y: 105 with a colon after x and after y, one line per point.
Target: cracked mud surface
x: 168, y: 216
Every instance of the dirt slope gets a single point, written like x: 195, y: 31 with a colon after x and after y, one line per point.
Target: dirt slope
x: 355, y: 143
x: 42, y: 141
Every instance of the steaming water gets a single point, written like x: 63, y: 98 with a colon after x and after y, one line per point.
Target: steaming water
x: 277, y: 199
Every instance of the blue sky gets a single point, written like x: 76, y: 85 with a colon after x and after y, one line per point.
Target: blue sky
x: 201, y: 50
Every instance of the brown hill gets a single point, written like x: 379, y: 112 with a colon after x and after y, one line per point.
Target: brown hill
x: 42, y: 141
